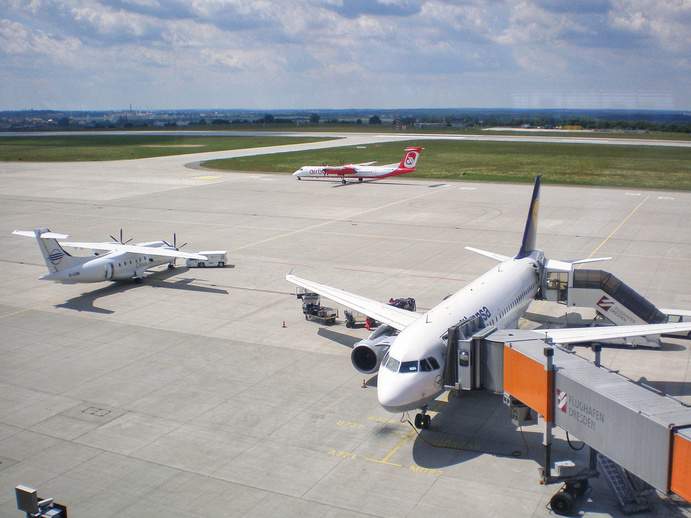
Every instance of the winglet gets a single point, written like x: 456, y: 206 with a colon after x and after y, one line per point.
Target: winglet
x: 530, y: 231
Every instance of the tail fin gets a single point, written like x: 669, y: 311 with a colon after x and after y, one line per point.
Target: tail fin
x: 409, y: 160
x: 528, y: 244
x: 54, y: 255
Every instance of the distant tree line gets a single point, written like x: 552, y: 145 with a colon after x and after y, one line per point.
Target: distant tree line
x: 622, y: 121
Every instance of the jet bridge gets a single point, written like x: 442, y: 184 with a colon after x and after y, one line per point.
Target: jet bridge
x: 643, y: 431
x: 614, y: 302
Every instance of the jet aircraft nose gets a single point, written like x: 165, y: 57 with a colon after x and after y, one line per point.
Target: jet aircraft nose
x: 298, y: 172
x: 396, y: 392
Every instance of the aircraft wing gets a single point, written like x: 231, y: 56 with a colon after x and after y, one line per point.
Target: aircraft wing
x: 389, y: 315
x: 576, y: 335
x: 134, y: 249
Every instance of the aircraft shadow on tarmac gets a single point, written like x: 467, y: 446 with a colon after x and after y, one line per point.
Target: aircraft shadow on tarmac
x: 339, y: 338
x: 86, y: 301
x: 380, y: 182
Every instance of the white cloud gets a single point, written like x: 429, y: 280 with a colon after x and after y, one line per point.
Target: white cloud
x: 348, y: 53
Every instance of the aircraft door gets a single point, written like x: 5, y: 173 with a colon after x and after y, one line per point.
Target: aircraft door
x: 109, y: 271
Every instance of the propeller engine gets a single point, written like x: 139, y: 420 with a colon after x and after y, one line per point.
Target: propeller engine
x: 121, y: 239
x: 175, y: 245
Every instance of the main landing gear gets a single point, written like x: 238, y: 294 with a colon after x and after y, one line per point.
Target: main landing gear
x: 422, y: 420
x: 343, y: 181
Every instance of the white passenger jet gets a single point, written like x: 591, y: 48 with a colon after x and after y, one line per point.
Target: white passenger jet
x: 366, y: 170
x: 410, y: 364
x: 120, y: 261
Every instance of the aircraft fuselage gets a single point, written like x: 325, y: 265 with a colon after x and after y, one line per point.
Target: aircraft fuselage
x: 500, y: 297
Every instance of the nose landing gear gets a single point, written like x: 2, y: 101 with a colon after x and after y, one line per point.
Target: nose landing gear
x: 422, y: 420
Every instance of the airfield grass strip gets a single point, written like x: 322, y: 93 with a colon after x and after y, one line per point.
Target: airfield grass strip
x: 123, y: 147
x: 571, y: 164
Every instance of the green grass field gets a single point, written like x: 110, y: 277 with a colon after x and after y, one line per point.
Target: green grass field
x: 117, y: 147
x: 577, y: 164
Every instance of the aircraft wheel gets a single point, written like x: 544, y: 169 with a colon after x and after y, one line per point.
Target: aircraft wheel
x: 170, y: 266
x: 418, y: 421
x: 426, y: 421
x: 137, y: 280
x: 343, y: 181
x: 221, y: 264
x: 360, y: 179
x: 202, y: 265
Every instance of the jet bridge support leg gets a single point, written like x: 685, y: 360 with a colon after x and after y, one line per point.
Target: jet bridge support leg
x: 547, y: 434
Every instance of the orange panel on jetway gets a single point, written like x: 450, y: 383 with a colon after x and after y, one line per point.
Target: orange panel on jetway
x: 527, y: 380
x: 680, y: 481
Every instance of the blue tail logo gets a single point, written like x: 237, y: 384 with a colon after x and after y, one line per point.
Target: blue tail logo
x: 55, y: 256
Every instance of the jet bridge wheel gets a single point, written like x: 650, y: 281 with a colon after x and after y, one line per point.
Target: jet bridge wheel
x: 562, y: 503
x: 422, y: 421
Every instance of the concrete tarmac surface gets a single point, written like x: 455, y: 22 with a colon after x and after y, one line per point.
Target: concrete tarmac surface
x: 186, y: 396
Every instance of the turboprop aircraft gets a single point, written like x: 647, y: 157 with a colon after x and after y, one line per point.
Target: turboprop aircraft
x: 121, y: 261
x: 366, y: 170
x: 410, y: 364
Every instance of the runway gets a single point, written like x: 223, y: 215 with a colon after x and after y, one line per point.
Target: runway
x: 186, y: 396
x: 354, y: 138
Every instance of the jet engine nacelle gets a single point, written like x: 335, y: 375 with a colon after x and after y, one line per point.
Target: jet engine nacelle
x: 367, y: 354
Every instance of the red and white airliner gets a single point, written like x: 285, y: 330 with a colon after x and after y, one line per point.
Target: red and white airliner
x: 362, y: 171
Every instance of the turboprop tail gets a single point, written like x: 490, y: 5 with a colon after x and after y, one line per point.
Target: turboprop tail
x: 410, y: 158
x: 55, y: 256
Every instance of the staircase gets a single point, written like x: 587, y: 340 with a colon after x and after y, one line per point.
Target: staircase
x: 631, y: 492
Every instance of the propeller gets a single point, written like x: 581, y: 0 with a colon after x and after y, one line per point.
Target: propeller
x: 121, y: 238
x: 175, y: 242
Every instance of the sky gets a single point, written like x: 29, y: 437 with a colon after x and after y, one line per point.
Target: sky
x: 302, y: 54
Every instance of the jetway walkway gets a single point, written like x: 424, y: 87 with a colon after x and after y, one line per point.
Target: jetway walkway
x: 645, y: 432
x: 614, y: 302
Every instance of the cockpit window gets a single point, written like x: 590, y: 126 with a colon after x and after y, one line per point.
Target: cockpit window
x: 393, y: 364
x: 409, y: 367
x: 425, y: 366
x: 433, y: 362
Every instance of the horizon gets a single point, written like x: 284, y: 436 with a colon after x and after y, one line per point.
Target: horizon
x: 94, y: 55
x: 356, y: 109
